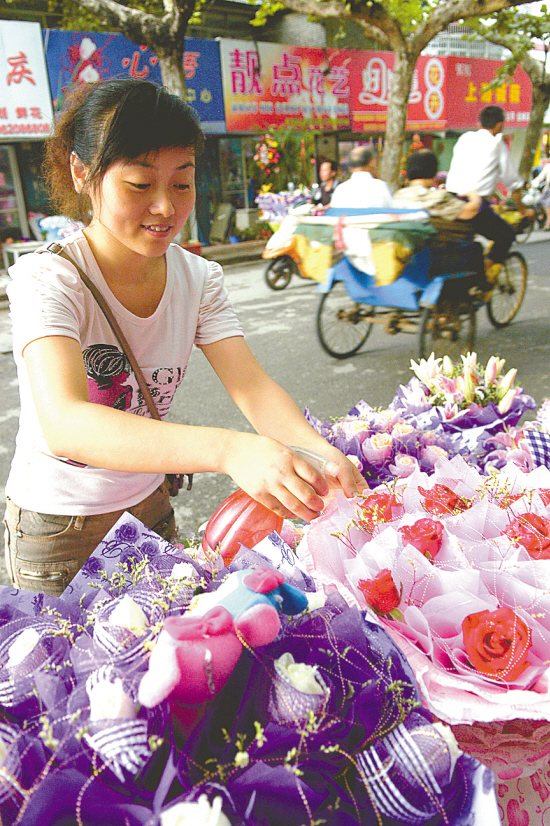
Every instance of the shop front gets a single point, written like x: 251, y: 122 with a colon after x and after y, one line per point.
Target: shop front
x: 84, y: 57
x: 25, y: 120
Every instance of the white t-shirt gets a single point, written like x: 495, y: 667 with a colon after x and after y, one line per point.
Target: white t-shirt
x: 47, y: 298
x: 480, y: 160
x: 361, y: 191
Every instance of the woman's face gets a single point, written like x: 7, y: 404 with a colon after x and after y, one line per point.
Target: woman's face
x: 143, y: 203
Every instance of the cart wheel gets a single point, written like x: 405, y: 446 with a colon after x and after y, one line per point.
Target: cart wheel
x: 279, y: 271
x: 525, y: 229
x: 448, y: 330
x: 343, y: 325
x: 508, y: 291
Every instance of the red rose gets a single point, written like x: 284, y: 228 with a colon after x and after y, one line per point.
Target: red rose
x: 380, y: 592
x: 376, y: 508
x: 497, y: 643
x: 441, y: 499
x: 533, y: 532
x: 425, y: 535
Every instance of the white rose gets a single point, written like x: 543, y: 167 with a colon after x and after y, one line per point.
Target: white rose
x: 183, y: 570
x: 128, y: 614
x: 109, y: 701
x: 22, y: 646
x: 200, y: 813
x: 315, y: 599
x: 303, y: 677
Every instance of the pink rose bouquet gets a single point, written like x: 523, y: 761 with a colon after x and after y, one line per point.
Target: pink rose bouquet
x: 455, y: 565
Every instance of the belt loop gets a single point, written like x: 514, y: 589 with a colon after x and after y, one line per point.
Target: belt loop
x: 79, y: 523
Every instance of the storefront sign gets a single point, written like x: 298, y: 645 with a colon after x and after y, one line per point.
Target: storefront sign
x: 25, y: 105
x: 77, y: 57
x: 467, y: 80
x: 269, y: 84
x: 447, y: 92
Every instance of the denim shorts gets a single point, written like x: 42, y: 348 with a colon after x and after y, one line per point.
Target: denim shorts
x: 44, y: 552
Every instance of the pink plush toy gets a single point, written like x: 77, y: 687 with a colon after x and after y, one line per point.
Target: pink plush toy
x: 195, y: 653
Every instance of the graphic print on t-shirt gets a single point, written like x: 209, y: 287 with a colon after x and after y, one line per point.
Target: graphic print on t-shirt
x: 107, y: 369
x: 112, y: 383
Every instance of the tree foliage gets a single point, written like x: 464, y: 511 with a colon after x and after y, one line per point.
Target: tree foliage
x: 517, y: 31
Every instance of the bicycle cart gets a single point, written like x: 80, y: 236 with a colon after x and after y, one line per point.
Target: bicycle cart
x: 436, y: 297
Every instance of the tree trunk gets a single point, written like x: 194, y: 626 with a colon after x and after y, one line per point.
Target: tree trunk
x: 398, y: 102
x: 171, y: 69
x: 539, y: 105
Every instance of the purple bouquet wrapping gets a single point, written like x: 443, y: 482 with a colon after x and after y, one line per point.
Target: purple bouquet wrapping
x: 322, y: 725
x: 445, y: 410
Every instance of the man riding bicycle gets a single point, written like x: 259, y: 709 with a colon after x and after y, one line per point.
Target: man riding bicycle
x: 480, y: 160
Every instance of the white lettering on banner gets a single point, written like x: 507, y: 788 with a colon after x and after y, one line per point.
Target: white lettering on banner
x: 378, y: 77
x: 377, y: 80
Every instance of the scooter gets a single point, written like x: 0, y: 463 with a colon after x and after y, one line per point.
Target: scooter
x: 282, y: 252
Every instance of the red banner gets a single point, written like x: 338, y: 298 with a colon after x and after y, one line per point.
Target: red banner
x: 271, y: 85
x: 447, y: 93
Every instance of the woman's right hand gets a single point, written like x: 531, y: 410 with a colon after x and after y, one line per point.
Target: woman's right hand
x: 274, y: 475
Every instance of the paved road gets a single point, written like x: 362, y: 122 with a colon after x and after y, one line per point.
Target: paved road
x: 280, y: 328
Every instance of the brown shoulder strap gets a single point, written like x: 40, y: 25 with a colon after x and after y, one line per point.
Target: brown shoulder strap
x: 57, y: 249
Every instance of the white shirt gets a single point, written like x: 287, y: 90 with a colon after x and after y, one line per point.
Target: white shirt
x: 47, y: 298
x: 361, y: 192
x: 480, y: 160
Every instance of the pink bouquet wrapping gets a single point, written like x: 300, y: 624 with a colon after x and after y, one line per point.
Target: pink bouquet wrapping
x: 455, y: 565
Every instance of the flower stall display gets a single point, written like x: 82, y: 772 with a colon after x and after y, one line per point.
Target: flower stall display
x: 445, y: 410
x: 456, y: 566
x: 322, y: 672
x: 319, y: 721
x: 275, y: 206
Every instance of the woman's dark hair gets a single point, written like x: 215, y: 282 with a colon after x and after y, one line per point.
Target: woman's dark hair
x: 117, y: 119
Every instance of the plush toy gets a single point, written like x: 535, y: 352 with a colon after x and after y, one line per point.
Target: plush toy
x: 195, y: 653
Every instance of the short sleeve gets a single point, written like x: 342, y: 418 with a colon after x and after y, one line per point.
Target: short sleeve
x: 45, y: 298
x: 217, y: 319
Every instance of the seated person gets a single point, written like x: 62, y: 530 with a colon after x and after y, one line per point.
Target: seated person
x: 450, y: 214
x: 328, y: 170
x: 363, y: 190
x: 423, y: 192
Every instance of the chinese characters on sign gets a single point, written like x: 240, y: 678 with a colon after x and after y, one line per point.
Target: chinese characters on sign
x: 25, y: 109
x: 83, y: 57
x: 268, y: 84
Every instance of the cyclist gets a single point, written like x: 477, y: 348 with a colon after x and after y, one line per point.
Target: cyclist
x: 480, y: 160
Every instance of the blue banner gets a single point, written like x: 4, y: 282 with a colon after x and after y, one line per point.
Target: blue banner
x: 85, y: 57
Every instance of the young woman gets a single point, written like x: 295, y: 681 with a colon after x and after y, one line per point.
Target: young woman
x: 123, y: 155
